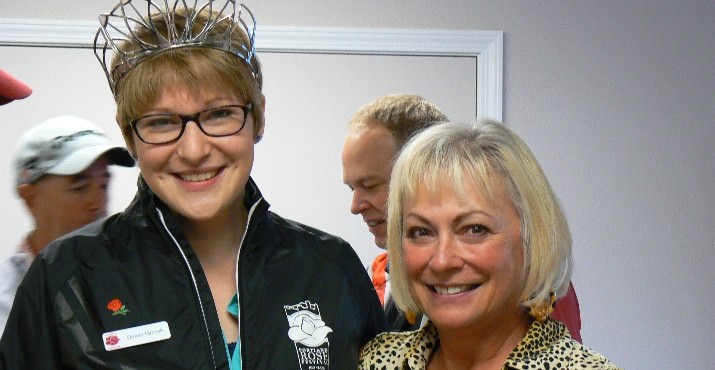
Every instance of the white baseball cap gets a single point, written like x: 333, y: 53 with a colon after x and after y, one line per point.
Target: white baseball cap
x: 65, y: 145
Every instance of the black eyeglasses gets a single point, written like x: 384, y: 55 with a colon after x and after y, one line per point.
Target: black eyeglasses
x: 165, y: 128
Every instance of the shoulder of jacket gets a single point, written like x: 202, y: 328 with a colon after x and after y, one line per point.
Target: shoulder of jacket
x: 87, y: 241
x: 391, y: 349
x: 586, y: 357
x: 298, y: 231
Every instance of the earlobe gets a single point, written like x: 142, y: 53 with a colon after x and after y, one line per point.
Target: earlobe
x: 130, y: 149
x: 259, y: 134
x: 127, y: 135
x: 129, y: 144
x: 27, y: 193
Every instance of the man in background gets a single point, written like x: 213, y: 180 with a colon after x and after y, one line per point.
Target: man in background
x: 62, y: 177
x: 376, y: 133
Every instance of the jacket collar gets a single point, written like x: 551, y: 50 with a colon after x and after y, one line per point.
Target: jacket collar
x: 147, y: 200
x: 143, y: 208
x: 539, y: 340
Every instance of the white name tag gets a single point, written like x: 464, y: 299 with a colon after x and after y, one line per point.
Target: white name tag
x: 135, y: 336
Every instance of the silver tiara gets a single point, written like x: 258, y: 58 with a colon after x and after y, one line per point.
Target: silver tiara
x: 117, y: 36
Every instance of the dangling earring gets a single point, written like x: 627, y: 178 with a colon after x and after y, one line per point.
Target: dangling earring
x: 411, y: 317
x: 542, y: 311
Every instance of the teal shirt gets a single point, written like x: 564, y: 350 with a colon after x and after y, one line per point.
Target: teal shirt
x: 234, y: 362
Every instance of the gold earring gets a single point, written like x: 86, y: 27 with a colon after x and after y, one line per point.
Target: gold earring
x: 542, y: 311
x: 411, y: 317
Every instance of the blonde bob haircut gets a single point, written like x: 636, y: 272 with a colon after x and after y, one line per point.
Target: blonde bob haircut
x: 486, y: 155
x: 193, y: 67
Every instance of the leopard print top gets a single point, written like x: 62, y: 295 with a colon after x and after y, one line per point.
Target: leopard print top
x: 546, y: 345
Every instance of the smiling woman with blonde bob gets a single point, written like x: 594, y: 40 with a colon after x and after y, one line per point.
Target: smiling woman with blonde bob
x: 477, y: 242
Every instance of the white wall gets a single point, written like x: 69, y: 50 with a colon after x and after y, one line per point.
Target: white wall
x: 616, y: 100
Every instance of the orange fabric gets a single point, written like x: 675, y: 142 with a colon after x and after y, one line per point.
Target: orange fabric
x: 568, y: 312
x: 379, y: 281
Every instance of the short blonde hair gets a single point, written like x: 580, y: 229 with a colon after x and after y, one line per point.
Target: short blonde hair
x: 486, y: 155
x: 191, y: 67
x: 401, y: 114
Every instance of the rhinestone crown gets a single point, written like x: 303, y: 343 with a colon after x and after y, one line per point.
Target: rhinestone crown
x: 118, y: 35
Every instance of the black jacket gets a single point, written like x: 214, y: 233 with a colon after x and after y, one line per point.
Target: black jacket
x: 137, y: 268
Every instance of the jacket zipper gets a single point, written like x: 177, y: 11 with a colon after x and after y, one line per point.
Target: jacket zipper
x: 196, y: 287
x: 193, y: 277
x: 238, y: 255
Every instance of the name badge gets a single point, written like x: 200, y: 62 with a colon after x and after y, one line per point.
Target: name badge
x: 136, y: 336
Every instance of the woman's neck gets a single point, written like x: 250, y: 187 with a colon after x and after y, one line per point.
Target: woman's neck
x: 480, y: 349
x: 216, y: 243
x: 215, y: 239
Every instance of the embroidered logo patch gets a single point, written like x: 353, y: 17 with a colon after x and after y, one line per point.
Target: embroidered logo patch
x: 117, y: 307
x: 309, y: 334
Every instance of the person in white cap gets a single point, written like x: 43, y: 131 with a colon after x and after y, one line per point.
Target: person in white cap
x: 62, y: 177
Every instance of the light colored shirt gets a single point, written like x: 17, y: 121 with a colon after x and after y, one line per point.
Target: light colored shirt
x: 12, y: 270
x: 235, y: 356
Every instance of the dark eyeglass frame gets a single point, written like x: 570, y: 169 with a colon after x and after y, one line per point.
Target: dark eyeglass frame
x: 185, y: 119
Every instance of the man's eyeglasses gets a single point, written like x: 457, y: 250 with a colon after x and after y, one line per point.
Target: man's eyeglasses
x: 216, y: 122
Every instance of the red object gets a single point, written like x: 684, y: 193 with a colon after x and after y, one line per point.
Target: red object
x: 379, y: 280
x: 112, y: 340
x: 568, y: 312
x: 114, y: 305
x: 12, y: 89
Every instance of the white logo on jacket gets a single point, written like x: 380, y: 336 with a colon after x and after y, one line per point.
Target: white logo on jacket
x: 310, y: 335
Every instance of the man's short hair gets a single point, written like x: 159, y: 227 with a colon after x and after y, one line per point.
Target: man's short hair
x: 401, y: 114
